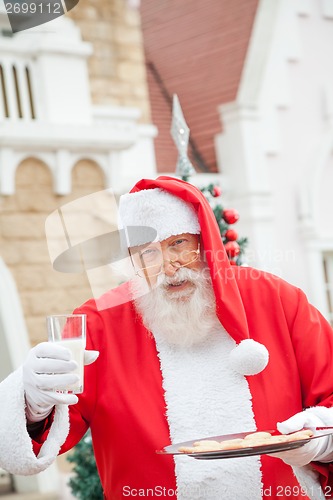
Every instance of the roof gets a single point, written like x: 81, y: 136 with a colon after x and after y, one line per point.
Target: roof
x: 195, y: 49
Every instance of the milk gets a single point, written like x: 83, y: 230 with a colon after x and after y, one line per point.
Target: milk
x: 69, y: 330
x: 76, y: 346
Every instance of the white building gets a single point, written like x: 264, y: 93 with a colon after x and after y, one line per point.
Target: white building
x: 277, y: 145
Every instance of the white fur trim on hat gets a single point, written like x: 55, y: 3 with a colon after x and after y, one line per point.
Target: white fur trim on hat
x: 156, y: 208
x: 249, y: 357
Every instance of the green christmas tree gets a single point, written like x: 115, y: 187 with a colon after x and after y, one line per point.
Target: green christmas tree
x: 225, y: 218
x: 85, y: 484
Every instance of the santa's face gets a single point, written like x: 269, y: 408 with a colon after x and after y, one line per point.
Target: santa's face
x: 180, y: 307
x: 166, y: 259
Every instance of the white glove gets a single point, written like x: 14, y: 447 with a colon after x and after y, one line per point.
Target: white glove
x: 48, y: 366
x: 320, y: 449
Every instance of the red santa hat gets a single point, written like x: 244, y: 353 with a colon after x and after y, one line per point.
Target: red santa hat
x: 160, y: 210
x: 191, y: 213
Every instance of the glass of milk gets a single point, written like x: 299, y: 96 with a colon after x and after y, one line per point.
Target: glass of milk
x: 69, y: 330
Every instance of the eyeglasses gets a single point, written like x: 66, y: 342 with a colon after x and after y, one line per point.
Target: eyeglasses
x: 152, y: 261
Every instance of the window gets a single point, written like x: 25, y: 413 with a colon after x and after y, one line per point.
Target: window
x: 16, y: 90
x: 328, y: 273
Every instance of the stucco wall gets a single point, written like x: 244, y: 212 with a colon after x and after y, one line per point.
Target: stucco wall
x: 116, y: 67
x: 23, y: 244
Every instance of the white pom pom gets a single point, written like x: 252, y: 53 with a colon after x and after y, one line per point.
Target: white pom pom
x: 249, y: 357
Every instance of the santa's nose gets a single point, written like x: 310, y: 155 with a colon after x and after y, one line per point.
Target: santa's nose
x: 170, y: 267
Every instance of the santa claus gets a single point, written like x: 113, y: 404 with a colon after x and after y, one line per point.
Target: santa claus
x: 194, y: 348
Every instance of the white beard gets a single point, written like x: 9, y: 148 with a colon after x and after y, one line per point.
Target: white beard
x: 184, y: 317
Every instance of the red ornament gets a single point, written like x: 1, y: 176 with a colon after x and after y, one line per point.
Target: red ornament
x: 216, y: 191
x: 232, y: 248
x: 230, y: 215
x: 231, y: 235
x: 233, y: 262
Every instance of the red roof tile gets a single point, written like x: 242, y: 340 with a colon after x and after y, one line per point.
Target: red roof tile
x: 195, y: 49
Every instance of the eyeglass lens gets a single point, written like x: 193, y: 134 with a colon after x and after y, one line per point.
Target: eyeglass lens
x: 148, y: 266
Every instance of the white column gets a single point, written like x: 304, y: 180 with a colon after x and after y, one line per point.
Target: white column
x: 63, y: 173
x: 241, y: 157
x: 35, y: 86
x: 45, y: 482
x: 15, y: 346
x: 10, y: 88
x: 2, y: 96
x: 317, y: 289
x: 7, y: 172
x: 23, y: 90
x: 113, y: 170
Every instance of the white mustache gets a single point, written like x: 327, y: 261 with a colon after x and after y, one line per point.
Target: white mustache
x: 174, y: 320
x: 182, y: 274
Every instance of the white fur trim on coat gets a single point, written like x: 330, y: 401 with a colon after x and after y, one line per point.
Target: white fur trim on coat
x: 16, y: 452
x: 156, y: 208
x: 198, y: 378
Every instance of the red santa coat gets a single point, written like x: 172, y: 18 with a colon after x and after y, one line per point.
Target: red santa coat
x: 124, y: 405
x: 124, y: 402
